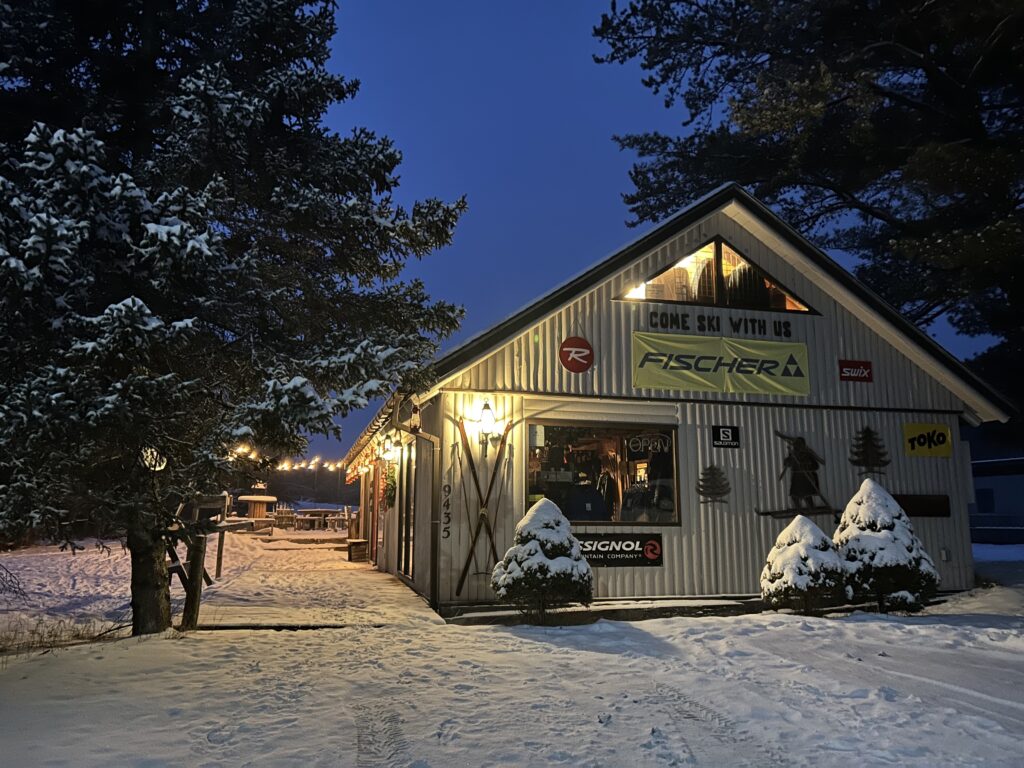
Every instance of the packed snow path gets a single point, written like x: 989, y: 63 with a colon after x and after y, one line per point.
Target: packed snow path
x: 398, y: 688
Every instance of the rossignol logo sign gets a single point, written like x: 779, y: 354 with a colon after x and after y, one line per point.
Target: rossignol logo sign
x: 576, y: 355
x: 714, y: 364
x: 856, y: 370
x: 608, y: 550
x: 927, y: 440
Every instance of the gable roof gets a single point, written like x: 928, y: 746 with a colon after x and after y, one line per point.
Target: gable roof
x: 990, y: 404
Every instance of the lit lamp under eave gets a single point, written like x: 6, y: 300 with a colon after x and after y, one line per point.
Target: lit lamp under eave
x: 487, y: 425
x: 391, y: 449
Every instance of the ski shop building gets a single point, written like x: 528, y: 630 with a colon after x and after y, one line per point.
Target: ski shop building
x: 681, y: 401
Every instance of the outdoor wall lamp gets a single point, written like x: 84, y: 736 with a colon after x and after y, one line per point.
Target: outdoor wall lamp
x: 487, y: 425
x: 152, y: 460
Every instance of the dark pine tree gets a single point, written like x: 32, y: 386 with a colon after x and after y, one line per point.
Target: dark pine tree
x: 894, y: 131
x: 713, y: 485
x: 868, y: 452
x: 190, y: 260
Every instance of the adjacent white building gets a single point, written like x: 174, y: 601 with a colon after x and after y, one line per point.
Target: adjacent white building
x: 681, y: 401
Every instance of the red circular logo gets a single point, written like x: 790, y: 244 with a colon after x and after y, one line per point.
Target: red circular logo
x: 652, y: 550
x: 576, y: 354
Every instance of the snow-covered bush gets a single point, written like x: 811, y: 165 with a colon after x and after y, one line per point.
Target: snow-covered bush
x: 544, y: 568
x: 804, y: 570
x: 884, y: 558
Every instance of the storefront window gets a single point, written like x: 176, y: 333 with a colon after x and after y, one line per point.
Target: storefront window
x: 716, y: 275
x: 692, y: 279
x: 604, y: 474
x: 747, y: 287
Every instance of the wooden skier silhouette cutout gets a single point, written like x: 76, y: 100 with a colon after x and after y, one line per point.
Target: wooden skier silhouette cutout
x: 802, y: 464
x: 483, y: 521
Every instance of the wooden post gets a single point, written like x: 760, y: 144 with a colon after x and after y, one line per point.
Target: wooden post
x: 223, y: 518
x: 220, y: 552
x: 194, y: 589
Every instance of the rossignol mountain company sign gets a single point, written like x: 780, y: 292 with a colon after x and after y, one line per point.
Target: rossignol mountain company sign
x: 715, y: 364
x: 608, y: 550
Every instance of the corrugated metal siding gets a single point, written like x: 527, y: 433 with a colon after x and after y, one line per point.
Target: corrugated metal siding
x: 732, y: 540
x: 716, y: 549
x: 529, y: 362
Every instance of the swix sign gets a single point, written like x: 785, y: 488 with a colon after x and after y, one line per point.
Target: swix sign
x: 856, y: 370
x: 576, y: 354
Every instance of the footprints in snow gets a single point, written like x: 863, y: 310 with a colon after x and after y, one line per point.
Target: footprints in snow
x: 704, y: 736
x: 380, y: 742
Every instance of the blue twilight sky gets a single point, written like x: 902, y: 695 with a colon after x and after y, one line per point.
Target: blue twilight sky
x: 501, y: 102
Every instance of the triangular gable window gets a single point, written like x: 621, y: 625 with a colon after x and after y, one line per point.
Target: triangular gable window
x: 717, y: 275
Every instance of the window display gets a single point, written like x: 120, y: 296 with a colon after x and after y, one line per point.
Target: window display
x: 604, y: 474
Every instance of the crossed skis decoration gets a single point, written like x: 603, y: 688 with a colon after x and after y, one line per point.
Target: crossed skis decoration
x: 483, y: 521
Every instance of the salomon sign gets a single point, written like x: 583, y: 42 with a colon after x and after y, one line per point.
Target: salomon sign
x: 621, y: 549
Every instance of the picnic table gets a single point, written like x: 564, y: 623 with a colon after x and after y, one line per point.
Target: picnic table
x: 315, y: 517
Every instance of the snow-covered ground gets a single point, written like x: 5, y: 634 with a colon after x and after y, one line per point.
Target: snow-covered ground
x: 391, y: 685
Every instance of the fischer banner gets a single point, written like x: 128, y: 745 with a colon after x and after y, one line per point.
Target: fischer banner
x: 715, y: 364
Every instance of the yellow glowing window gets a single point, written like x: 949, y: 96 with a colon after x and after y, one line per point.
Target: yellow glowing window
x: 716, y: 275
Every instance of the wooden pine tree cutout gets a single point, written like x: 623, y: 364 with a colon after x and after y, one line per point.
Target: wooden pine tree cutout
x: 868, y: 452
x: 713, y: 485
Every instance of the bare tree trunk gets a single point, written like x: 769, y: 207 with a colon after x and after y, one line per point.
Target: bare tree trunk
x: 151, y: 584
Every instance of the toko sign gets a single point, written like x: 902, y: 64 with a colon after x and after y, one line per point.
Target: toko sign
x: 927, y: 440
x: 715, y: 364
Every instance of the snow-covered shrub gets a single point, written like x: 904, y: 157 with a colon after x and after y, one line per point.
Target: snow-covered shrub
x: 544, y: 568
x: 884, y: 558
x: 804, y: 570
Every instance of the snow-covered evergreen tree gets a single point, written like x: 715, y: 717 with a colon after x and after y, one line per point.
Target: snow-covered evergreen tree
x: 885, y: 560
x: 189, y: 260
x: 803, y: 570
x: 544, y: 568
